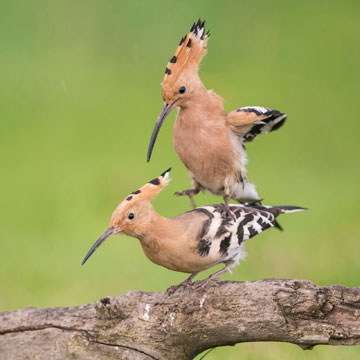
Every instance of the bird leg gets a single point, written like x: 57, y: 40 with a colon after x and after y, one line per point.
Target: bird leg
x: 190, y: 193
x: 228, y: 266
x: 185, y: 283
x: 225, y: 209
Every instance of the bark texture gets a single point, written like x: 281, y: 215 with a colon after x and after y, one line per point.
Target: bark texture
x: 148, y: 326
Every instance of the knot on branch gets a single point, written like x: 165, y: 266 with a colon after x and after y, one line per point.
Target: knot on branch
x: 304, y: 300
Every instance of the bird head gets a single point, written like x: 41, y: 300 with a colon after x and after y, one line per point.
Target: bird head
x: 133, y: 214
x: 181, y: 81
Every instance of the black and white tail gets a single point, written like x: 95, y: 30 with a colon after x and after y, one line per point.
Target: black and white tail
x: 277, y: 210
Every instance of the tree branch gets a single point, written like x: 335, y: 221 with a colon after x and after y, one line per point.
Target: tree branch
x: 148, y: 326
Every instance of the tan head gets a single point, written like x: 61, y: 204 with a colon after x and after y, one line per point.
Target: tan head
x: 133, y: 214
x: 181, y: 81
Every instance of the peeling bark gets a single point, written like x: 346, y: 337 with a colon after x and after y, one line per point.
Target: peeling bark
x: 149, y: 326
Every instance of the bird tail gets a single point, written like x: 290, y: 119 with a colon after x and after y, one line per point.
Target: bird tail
x: 277, y: 210
x: 289, y: 209
x: 278, y: 226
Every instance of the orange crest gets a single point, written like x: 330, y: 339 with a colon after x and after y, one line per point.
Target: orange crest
x: 140, y: 197
x: 147, y: 191
x: 188, y: 55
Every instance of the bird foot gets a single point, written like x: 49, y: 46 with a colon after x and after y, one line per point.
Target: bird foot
x: 226, y: 212
x: 190, y: 193
x: 172, y: 289
x: 202, y: 284
x: 187, y: 283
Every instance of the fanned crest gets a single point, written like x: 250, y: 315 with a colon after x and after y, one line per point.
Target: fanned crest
x: 146, y: 192
x: 150, y: 189
x: 188, y: 55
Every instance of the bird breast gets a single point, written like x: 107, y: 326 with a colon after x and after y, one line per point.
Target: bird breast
x: 208, y: 149
x: 174, y: 244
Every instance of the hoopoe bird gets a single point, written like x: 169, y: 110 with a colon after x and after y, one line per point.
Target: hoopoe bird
x: 193, y: 241
x: 208, y: 140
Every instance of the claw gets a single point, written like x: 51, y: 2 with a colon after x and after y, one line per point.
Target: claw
x: 190, y: 193
x: 201, y: 284
x: 225, y: 209
x: 226, y: 212
x: 172, y: 289
x: 187, y: 282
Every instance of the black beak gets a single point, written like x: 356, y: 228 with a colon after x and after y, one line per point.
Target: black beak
x: 110, y: 231
x: 164, y: 113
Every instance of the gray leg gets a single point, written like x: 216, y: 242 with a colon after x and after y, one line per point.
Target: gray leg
x: 190, y: 193
x: 196, y: 188
x: 186, y: 282
x: 228, y: 266
x: 225, y: 209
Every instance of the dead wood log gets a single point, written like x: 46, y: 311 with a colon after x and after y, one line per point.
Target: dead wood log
x: 142, y: 326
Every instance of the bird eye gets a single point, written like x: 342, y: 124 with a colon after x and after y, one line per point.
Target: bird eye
x: 182, y: 89
x: 131, y: 216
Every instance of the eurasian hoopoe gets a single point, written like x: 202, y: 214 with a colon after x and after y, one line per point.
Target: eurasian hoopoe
x: 193, y: 241
x: 209, y: 141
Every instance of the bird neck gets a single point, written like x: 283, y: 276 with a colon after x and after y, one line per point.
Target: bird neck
x: 204, y: 104
x: 159, y: 228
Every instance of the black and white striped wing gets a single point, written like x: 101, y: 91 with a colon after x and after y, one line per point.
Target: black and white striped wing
x: 251, y: 222
x: 250, y: 121
x: 274, y: 120
x: 224, y: 237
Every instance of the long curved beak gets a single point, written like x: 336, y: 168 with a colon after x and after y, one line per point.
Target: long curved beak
x: 164, y: 113
x: 110, y: 231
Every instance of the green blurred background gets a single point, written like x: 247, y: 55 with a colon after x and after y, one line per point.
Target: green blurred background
x: 79, y: 96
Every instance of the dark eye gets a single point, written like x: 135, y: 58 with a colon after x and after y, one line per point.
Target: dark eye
x: 182, y: 89
x: 131, y: 216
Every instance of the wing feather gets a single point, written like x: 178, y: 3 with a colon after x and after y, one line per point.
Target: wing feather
x: 250, y: 121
